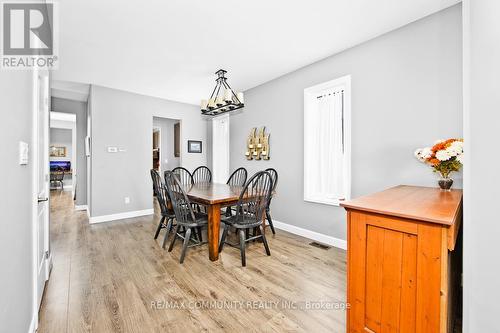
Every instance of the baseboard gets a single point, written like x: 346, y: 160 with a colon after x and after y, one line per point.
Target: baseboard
x: 80, y: 207
x: 120, y: 216
x: 316, y: 236
x: 34, y: 324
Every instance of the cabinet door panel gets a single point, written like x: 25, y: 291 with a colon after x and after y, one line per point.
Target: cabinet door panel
x: 382, y: 275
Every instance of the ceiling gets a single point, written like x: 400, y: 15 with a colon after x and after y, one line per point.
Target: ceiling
x: 70, y: 90
x: 171, y: 49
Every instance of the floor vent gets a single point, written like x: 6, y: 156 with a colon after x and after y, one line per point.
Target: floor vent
x: 319, y: 245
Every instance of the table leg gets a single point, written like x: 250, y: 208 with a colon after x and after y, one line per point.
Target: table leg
x: 213, y: 231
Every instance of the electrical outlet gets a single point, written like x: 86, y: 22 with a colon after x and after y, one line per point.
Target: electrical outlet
x: 127, y: 200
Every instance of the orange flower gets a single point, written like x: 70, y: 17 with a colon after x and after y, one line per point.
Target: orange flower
x: 434, y: 161
x: 442, y: 145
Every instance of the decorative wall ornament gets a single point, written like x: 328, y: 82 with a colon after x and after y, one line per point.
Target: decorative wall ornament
x: 258, y: 144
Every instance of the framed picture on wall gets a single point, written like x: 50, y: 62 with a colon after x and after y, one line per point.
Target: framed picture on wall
x: 194, y: 146
x: 57, y: 151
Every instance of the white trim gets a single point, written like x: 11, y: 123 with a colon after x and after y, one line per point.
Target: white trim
x: 81, y: 207
x: 62, y: 116
x: 310, y: 94
x: 33, y: 324
x: 316, y: 236
x: 120, y: 216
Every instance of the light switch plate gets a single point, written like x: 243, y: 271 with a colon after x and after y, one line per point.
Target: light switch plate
x: 23, y: 153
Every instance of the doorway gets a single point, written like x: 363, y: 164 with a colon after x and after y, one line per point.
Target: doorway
x: 62, y: 152
x: 166, y: 153
x: 157, y: 148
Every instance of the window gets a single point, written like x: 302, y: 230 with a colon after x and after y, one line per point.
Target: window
x: 327, y: 148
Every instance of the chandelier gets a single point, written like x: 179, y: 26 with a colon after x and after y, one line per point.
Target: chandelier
x: 223, y: 98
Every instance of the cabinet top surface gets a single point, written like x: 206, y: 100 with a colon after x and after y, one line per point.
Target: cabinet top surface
x: 413, y: 202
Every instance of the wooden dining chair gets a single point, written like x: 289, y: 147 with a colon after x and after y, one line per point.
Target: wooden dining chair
x: 274, y: 177
x: 237, y: 178
x: 183, y: 174
x: 250, y: 210
x: 167, y: 213
x: 58, y: 177
x: 186, y: 217
x: 202, y: 174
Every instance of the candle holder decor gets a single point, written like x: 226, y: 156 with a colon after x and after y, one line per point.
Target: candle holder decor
x: 258, y: 145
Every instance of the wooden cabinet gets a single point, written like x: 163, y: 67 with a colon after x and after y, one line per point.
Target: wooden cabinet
x: 400, y: 253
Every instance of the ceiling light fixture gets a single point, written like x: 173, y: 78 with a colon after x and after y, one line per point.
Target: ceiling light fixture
x: 223, y: 98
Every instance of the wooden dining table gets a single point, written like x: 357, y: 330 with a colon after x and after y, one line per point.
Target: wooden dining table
x: 214, y: 197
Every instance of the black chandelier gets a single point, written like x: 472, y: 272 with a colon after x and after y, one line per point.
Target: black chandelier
x: 223, y: 98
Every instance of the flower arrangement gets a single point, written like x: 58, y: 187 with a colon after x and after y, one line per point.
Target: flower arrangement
x: 444, y: 157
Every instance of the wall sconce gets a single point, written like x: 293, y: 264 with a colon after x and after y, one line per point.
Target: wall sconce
x: 258, y: 145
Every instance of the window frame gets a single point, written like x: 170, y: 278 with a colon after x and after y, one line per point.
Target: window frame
x: 310, y: 94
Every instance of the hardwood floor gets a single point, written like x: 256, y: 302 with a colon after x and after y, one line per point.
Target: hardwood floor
x: 113, y: 277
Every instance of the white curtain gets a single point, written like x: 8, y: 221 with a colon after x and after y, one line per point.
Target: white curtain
x: 328, y: 155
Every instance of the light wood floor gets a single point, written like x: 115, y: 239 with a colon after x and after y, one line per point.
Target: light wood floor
x: 106, y: 278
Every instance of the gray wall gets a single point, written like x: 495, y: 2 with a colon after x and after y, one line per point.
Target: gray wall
x: 406, y: 93
x: 481, y: 185
x: 80, y: 110
x: 125, y: 120
x: 62, y: 137
x: 16, y: 246
x: 167, y: 143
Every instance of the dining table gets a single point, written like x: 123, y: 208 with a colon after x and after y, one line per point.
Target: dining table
x: 214, y: 196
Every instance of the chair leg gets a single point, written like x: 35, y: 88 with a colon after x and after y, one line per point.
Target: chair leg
x: 242, y: 248
x: 200, y: 234
x: 264, y: 240
x: 173, y: 239
x: 223, y: 238
x: 169, y: 226
x: 270, y: 220
x: 187, y: 237
x: 159, y: 227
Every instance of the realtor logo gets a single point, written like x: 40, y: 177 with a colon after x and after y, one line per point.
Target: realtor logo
x: 28, y: 38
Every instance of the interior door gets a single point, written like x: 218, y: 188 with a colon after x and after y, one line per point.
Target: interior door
x: 42, y: 182
x: 220, y: 149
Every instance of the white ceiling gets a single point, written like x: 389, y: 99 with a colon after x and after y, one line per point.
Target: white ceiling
x: 171, y: 49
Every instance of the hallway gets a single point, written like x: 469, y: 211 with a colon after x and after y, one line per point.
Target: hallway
x: 113, y: 277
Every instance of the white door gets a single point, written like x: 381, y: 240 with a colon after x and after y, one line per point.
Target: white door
x: 220, y: 149
x: 41, y: 158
